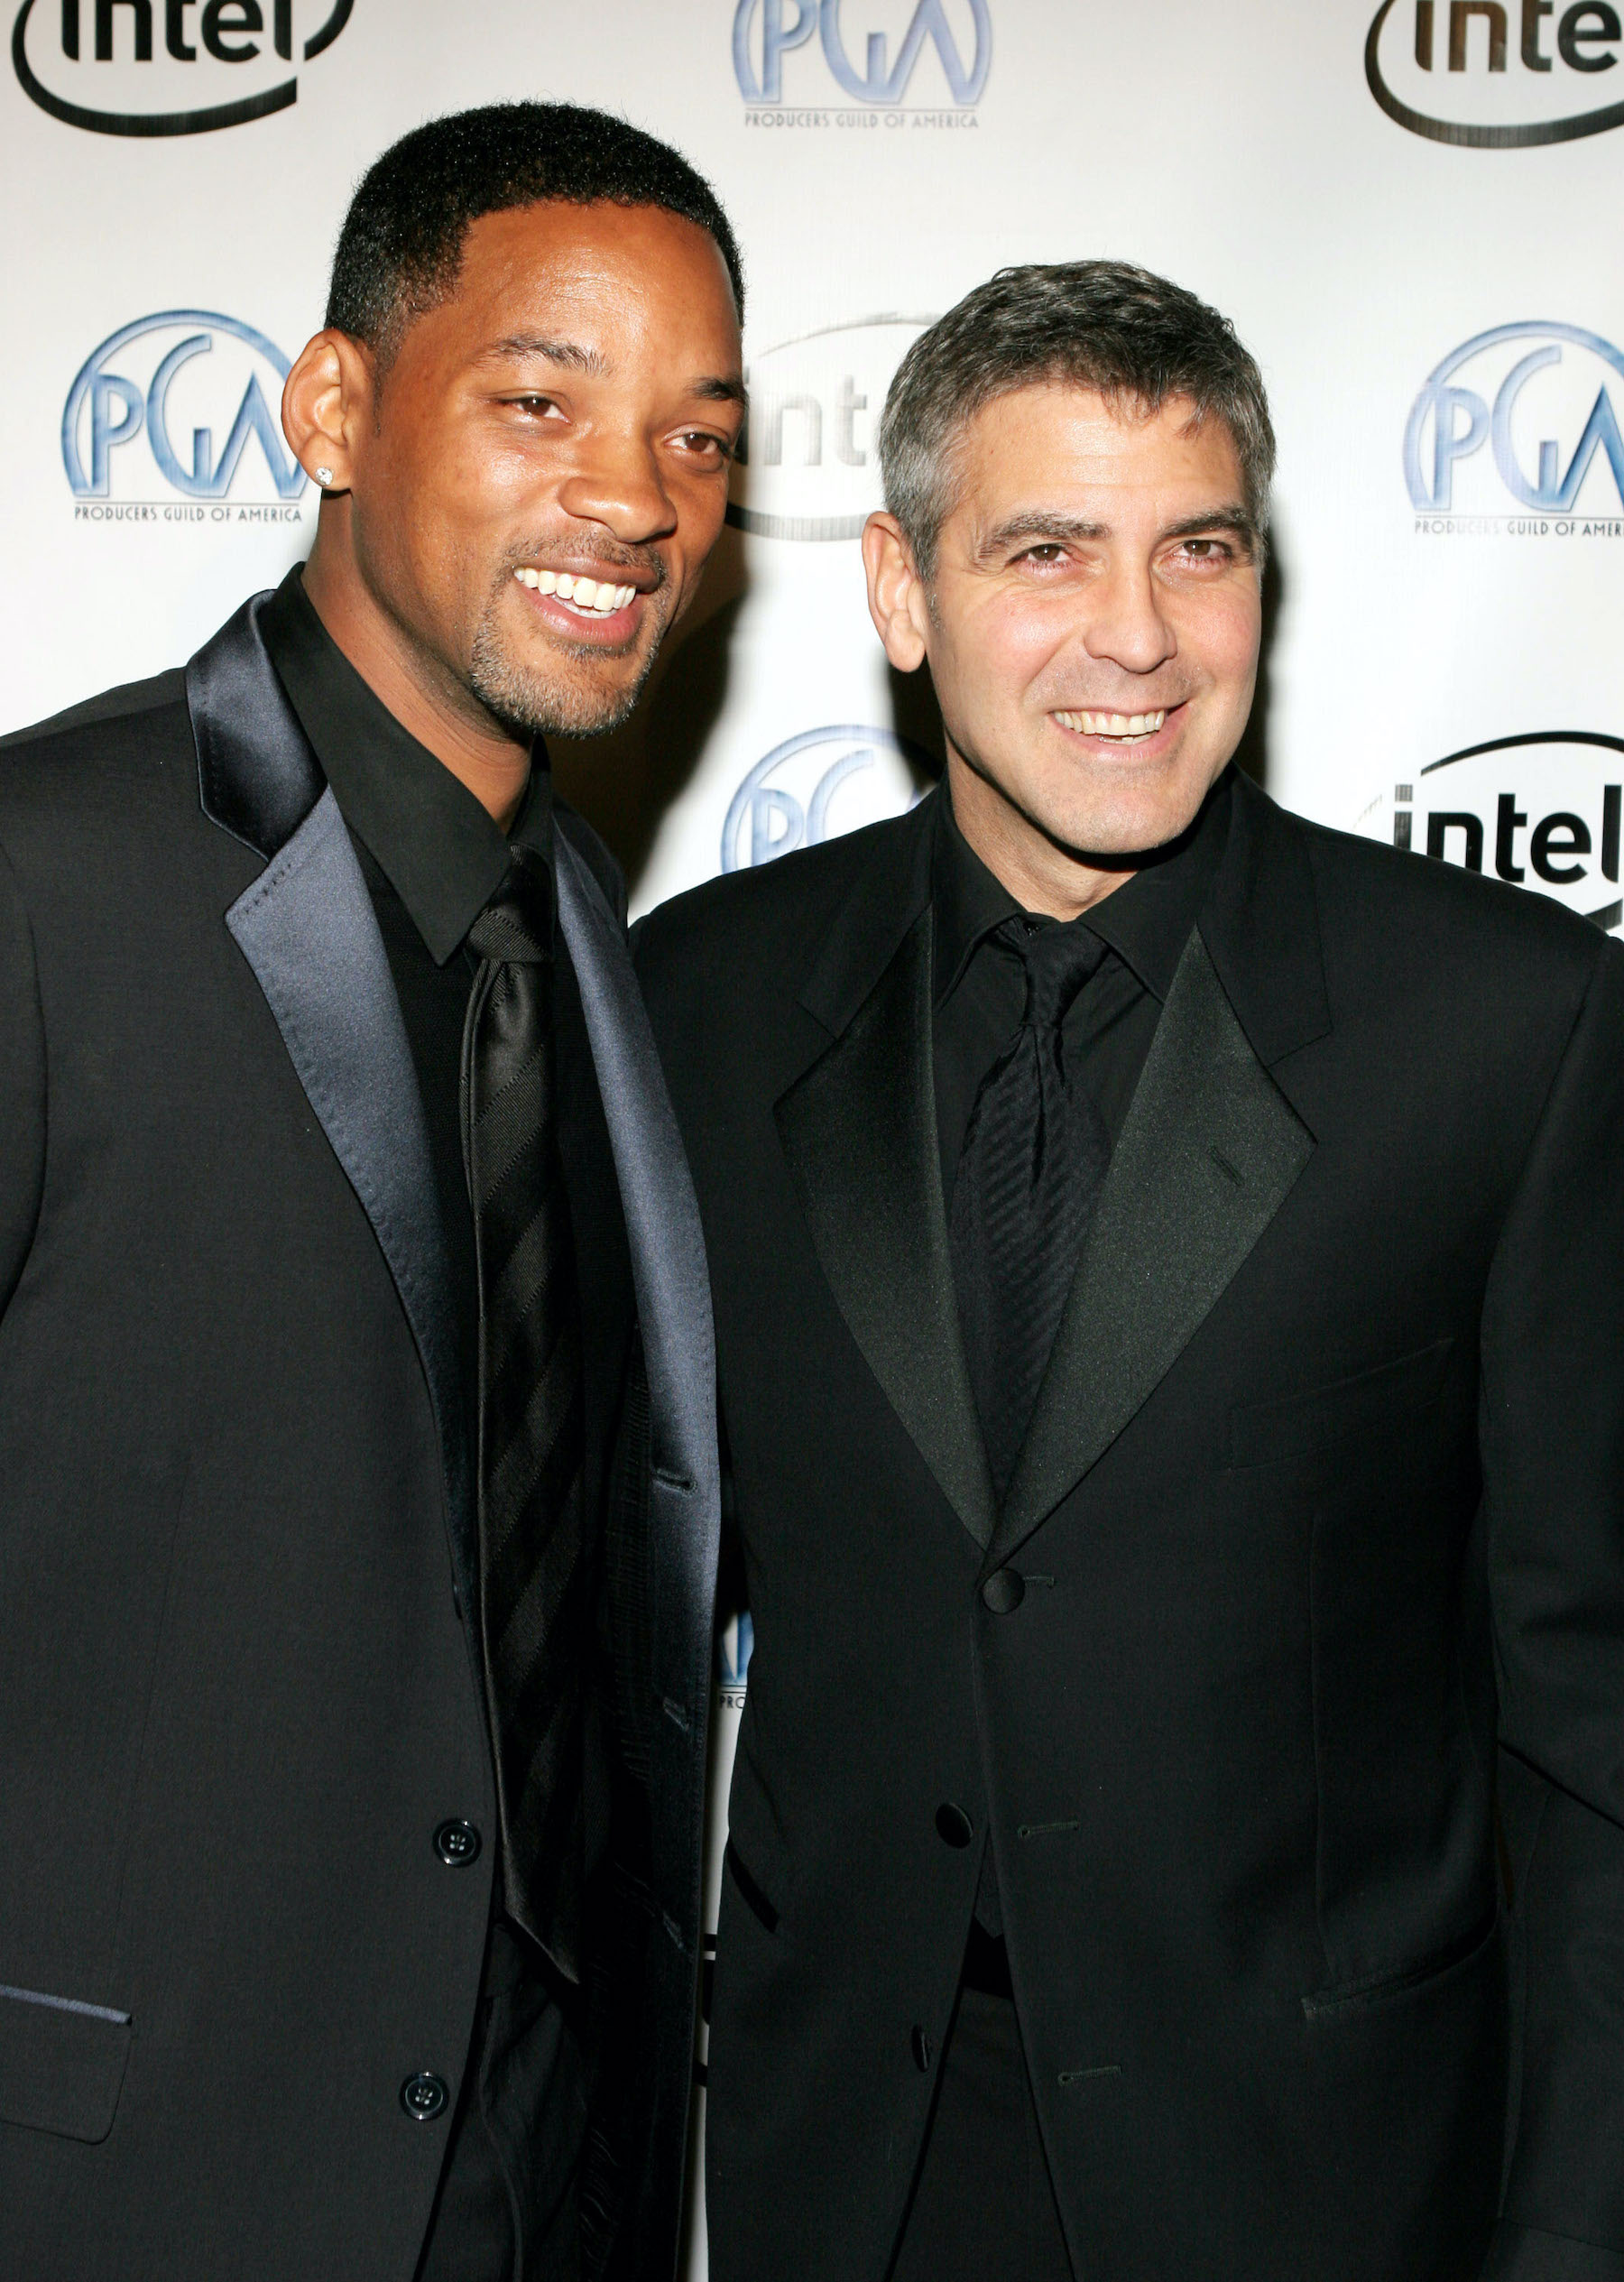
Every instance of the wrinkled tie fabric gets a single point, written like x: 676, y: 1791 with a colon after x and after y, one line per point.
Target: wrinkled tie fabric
x: 534, y: 1616
x: 1035, y: 1155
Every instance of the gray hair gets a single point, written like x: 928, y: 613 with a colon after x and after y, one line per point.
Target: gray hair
x: 1105, y: 325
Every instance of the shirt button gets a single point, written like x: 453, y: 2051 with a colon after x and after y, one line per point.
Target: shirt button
x: 1004, y: 1591
x: 424, y: 2096
x: 953, y: 1827
x: 456, y: 1844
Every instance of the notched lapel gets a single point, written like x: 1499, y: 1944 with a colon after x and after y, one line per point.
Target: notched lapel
x: 1209, y: 1152
x: 859, y: 1131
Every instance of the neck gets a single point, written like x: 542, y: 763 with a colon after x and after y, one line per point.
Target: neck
x: 445, y: 719
x: 1039, y: 875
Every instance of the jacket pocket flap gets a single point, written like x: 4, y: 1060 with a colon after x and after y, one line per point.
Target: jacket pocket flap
x: 1302, y: 1423
x: 61, y: 2063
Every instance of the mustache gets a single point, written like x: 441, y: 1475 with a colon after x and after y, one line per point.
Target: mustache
x: 602, y: 551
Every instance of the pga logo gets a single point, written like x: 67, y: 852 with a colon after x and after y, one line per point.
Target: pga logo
x: 1522, y: 415
x: 762, y: 36
x: 183, y: 398
x: 168, y: 67
x: 816, y: 786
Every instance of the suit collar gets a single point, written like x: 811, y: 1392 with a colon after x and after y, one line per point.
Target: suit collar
x: 890, y: 892
x: 307, y: 930
x: 1211, y: 1147
x: 1260, y: 921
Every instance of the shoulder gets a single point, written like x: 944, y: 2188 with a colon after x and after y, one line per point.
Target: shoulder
x: 769, y: 919
x: 1428, y: 911
x: 128, y: 735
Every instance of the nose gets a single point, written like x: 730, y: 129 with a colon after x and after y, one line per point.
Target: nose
x: 618, y: 485
x: 1126, y: 627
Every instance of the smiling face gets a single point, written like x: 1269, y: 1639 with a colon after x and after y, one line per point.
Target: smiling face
x: 535, y: 480
x: 1092, y: 625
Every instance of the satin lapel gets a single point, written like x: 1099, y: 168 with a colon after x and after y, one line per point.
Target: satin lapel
x: 672, y: 1286
x: 306, y: 927
x: 859, y: 1131
x: 1208, y: 1154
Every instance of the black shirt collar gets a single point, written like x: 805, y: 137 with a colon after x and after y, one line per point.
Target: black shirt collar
x: 1146, y: 921
x: 441, y: 850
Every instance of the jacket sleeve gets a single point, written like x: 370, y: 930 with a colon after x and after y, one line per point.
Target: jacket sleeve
x: 22, y: 1059
x: 1552, y: 1434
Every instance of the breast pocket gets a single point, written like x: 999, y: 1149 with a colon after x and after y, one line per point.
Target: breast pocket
x: 1300, y: 1425
x: 61, y: 2063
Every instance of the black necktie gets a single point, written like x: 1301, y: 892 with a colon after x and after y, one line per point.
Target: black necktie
x: 1035, y: 1153
x: 533, y: 1611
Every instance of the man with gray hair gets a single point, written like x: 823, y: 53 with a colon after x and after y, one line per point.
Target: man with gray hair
x: 1170, y: 1273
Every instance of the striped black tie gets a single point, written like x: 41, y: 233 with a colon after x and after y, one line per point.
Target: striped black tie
x: 534, y: 1618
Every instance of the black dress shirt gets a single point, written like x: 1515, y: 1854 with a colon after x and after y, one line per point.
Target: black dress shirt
x: 980, y: 983
x: 432, y: 856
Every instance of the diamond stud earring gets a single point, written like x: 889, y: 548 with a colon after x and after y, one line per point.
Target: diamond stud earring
x: 324, y: 476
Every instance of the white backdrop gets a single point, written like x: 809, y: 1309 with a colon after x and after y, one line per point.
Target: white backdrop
x: 1412, y: 220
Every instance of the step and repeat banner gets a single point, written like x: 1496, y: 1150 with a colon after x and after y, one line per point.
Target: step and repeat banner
x: 1410, y: 214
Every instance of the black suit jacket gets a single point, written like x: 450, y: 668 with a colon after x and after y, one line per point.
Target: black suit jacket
x: 1325, y: 1489
x: 237, y: 1694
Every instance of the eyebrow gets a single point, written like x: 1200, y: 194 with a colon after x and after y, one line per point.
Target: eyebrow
x: 721, y: 388
x: 1035, y: 524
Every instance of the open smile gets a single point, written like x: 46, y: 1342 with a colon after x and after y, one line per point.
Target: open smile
x: 578, y: 604
x: 1121, y: 731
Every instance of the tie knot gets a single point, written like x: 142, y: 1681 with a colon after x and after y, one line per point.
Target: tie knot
x: 515, y: 928
x: 1059, y: 956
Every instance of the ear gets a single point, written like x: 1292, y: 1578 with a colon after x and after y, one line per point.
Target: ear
x: 896, y: 593
x: 326, y: 406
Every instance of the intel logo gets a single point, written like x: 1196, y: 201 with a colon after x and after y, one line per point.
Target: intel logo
x: 107, y: 67
x: 1486, y: 76
x: 179, y: 405
x: 1523, y: 415
x: 805, y: 466
x: 818, y: 785
x: 963, y: 56
x: 1542, y: 809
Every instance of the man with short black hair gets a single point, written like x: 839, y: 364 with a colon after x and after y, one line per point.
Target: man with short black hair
x: 340, y: 1201
x: 1169, y: 1274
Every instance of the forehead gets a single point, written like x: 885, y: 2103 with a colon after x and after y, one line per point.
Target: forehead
x: 590, y: 273
x: 1067, y: 448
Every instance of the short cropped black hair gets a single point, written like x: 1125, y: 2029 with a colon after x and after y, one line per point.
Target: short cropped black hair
x: 1120, y: 332
x: 401, y: 243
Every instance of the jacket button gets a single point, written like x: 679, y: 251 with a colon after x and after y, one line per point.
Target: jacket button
x: 922, y: 2051
x: 456, y: 1844
x: 953, y: 1827
x: 424, y: 2096
x: 1004, y: 1591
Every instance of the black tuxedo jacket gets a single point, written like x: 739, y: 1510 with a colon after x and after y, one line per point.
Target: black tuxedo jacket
x: 237, y: 1689
x: 1323, y: 1494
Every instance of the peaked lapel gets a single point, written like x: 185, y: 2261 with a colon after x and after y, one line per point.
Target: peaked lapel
x: 306, y: 927
x: 1210, y: 1149
x: 859, y: 1131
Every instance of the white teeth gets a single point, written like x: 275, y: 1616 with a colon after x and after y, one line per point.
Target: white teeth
x: 1123, y: 725
x: 593, y: 597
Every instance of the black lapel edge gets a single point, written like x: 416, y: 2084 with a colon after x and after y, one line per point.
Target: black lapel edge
x: 257, y: 777
x: 671, y: 1280
x: 889, y: 890
x: 858, y: 1131
x: 1209, y: 1153
x: 307, y: 930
